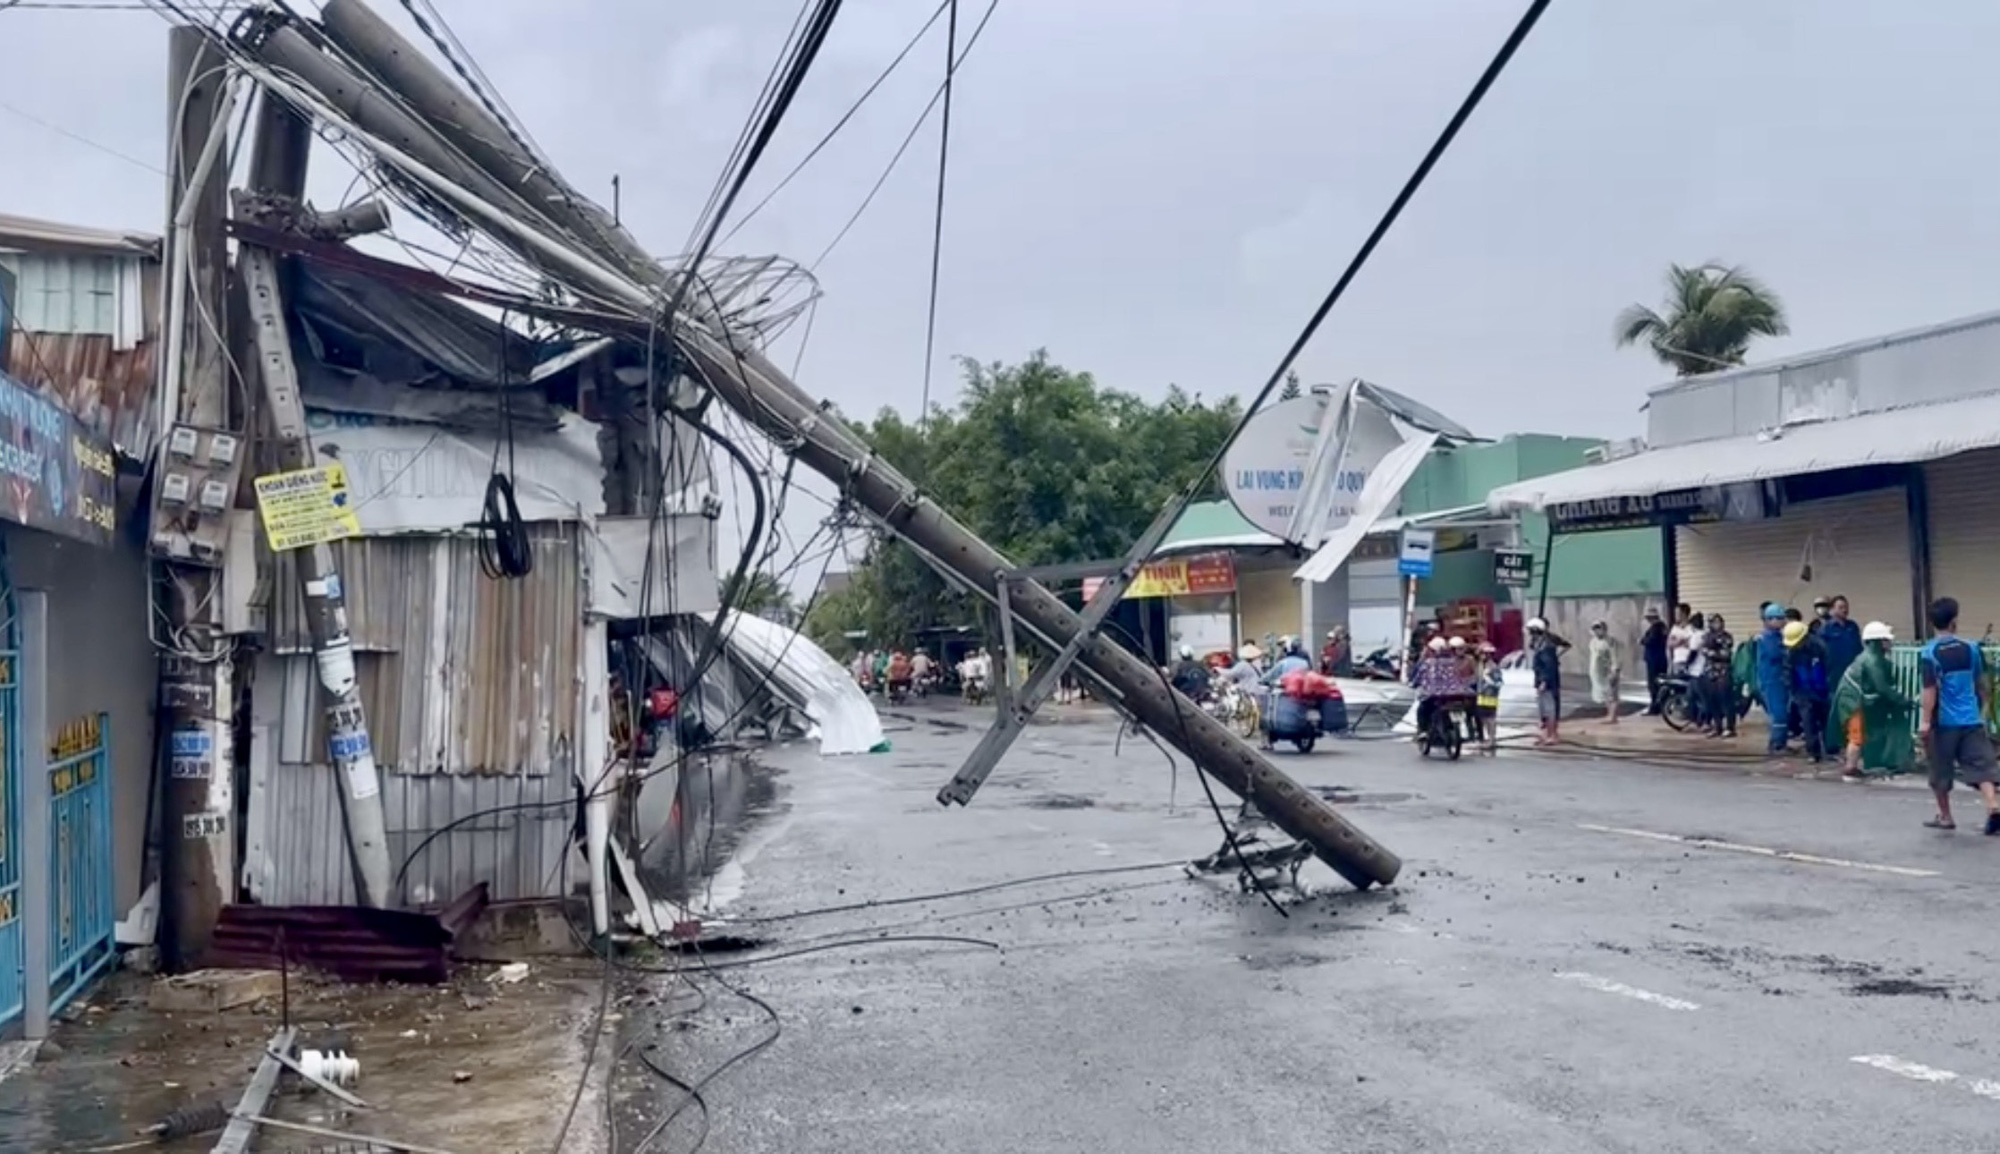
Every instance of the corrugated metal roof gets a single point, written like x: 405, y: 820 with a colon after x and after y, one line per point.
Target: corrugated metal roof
x: 109, y: 391
x: 1820, y: 356
x: 1899, y: 436
x: 461, y: 673
x: 29, y: 234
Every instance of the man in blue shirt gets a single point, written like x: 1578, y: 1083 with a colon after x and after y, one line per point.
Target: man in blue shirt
x: 1952, y: 720
x: 1842, y: 636
x: 1774, y: 676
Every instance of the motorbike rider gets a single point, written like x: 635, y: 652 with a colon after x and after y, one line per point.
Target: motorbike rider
x: 1439, y: 674
x: 922, y: 669
x: 1190, y: 677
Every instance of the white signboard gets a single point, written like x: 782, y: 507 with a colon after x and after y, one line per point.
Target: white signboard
x: 407, y: 476
x: 1265, y: 471
x: 1418, y: 547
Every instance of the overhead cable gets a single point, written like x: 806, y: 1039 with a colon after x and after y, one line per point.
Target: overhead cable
x: 844, y: 118
x: 908, y: 137
x: 937, y: 221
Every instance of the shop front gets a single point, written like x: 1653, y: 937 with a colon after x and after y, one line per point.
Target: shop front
x: 1199, y: 596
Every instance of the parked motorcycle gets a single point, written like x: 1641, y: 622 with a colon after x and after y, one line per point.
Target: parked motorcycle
x: 1677, y: 703
x: 1381, y: 665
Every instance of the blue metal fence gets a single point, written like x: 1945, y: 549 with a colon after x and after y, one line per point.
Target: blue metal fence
x: 12, y: 987
x: 82, y: 921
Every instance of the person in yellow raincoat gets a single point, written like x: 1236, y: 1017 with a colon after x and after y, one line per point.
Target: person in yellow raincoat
x: 1870, y: 718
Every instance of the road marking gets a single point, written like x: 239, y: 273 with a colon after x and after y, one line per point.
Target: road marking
x: 1918, y: 1072
x: 1763, y: 851
x: 1606, y: 985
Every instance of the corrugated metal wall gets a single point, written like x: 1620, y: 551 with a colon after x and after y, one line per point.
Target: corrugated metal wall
x: 472, y: 687
x: 461, y: 673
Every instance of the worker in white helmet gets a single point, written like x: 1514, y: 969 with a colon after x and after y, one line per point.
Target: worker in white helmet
x: 1870, y: 717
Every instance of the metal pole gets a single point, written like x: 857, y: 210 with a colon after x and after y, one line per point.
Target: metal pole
x: 759, y: 392
x: 197, y: 830
x: 348, y: 746
x: 1548, y: 559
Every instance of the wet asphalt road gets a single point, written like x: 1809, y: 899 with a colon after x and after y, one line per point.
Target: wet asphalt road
x: 1542, y: 978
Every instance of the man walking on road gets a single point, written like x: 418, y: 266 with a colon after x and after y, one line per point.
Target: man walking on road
x: 1952, y: 721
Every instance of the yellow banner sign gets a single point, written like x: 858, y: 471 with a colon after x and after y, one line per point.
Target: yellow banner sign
x: 307, y: 507
x: 1185, y: 576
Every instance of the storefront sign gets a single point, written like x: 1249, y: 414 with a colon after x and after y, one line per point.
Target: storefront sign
x: 54, y: 474
x: 1749, y: 501
x: 1264, y: 472
x: 1185, y: 577
x: 1514, y: 568
x: 307, y: 507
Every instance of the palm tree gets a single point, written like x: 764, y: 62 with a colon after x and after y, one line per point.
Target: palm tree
x: 1712, y: 314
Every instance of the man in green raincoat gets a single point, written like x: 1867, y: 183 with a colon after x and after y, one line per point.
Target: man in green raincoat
x: 1871, y: 716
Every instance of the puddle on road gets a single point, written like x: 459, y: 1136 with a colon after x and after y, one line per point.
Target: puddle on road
x: 695, y: 823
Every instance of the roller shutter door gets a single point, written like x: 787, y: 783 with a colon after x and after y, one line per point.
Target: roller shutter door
x: 1964, y: 498
x: 1858, y: 545
x: 1267, y: 602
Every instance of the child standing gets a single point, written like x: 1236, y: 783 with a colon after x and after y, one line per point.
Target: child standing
x: 1486, y: 707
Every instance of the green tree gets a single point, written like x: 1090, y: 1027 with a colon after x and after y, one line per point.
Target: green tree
x: 762, y: 595
x: 1711, y: 315
x: 1292, y: 390
x: 1044, y: 464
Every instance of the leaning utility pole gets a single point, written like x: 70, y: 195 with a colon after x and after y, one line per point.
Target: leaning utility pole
x: 197, y: 831
x: 278, y: 170
x: 761, y: 394
x: 411, y: 134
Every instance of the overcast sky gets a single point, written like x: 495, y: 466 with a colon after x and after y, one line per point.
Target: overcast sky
x: 1160, y: 191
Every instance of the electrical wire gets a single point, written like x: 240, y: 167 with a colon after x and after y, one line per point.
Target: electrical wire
x: 1403, y: 197
x: 937, y: 220
x: 968, y: 891
x: 1179, y: 704
x: 798, y: 64
x: 852, y: 109
x: 904, y: 147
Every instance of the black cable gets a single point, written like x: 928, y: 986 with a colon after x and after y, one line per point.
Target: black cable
x: 810, y: 42
x: 937, y: 218
x: 1368, y: 246
x: 743, y: 1055
x: 968, y: 891
x: 841, y: 123
x: 505, y: 549
x: 693, y: 1092
x: 908, y: 138
x: 1178, y: 702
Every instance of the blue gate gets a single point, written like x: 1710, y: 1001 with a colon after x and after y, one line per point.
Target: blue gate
x: 12, y: 988
x: 82, y: 924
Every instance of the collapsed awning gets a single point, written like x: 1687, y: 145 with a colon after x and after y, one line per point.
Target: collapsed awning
x: 1384, y: 485
x: 1895, y: 437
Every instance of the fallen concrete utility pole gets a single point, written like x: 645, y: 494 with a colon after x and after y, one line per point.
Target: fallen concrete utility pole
x: 763, y: 395
x: 748, y: 383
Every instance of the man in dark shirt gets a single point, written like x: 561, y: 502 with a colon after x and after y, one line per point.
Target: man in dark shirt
x: 1951, y: 723
x: 1653, y: 648
x: 1547, y: 664
x: 1842, y: 637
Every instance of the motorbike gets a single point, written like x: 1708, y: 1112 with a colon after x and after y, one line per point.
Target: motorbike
x: 1380, y: 665
x: 976, y: 690
x: 1446, y: 728
x: 1677, y: 702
